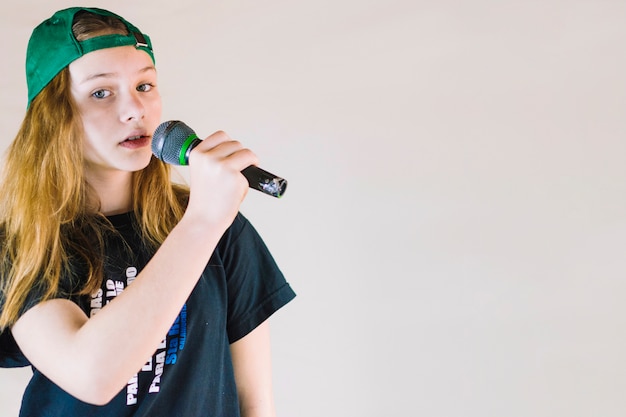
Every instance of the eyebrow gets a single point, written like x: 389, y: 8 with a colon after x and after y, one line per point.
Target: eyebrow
x: 112, y: 74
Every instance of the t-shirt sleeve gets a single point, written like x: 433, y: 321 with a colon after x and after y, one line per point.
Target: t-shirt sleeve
x: 256, y: 286
x: 10, y: 354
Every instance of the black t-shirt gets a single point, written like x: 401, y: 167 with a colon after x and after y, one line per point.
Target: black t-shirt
x: 190, y: 373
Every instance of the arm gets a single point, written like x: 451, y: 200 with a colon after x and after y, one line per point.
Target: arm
x: 70, y: 349
x: 253, y: 375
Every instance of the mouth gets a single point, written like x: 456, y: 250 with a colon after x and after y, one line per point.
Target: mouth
x: 134, y: 138
x: 138, y: 140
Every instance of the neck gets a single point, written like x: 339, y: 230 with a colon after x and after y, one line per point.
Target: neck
x: 114, y: 190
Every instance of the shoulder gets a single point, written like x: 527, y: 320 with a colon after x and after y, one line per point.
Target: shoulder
x: 241, y: 228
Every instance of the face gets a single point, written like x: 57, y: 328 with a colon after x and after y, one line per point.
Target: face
x: 116, y: 93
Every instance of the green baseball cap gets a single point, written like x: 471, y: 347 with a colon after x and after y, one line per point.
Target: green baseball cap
x: 52, y: 46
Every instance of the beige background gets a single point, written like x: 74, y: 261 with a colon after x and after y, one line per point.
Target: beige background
x: 455, y: 222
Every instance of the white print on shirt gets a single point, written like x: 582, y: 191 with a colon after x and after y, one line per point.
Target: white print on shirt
x: 131, y: 274
x: 131, y: 390
x: 158, y: 372
x: 166, y: 352
x: 96, y: 302
x: 114, y: 288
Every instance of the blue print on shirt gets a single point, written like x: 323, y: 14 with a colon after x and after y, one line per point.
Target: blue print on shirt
x: 176, y: 337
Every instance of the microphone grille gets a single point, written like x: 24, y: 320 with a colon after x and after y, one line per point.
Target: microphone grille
x: 169, y: 139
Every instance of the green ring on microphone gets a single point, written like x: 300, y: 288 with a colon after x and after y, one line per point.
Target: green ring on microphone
x: 183, y: 156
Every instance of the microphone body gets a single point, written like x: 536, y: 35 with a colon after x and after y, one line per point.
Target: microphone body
x: 173, y: 141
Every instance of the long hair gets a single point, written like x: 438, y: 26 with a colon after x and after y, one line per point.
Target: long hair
x: 49, y: 215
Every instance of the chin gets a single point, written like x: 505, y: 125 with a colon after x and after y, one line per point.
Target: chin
x: 140, y: 163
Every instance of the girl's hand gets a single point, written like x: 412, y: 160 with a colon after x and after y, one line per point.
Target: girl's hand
x: 217, y: 185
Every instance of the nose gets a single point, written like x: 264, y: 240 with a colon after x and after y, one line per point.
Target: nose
x: 132, y: 107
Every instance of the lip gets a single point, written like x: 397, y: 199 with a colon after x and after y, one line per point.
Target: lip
x: 135, y: 135
x: 136, y: 139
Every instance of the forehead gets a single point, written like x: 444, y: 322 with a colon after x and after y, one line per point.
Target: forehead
x: 121, y: 60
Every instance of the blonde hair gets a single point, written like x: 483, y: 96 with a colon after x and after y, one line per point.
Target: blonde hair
x: 49, y: 215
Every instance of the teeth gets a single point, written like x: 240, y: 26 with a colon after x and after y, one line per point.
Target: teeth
x: 134, y: 138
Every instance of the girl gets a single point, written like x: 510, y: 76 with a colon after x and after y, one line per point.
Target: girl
x: 128, y: 295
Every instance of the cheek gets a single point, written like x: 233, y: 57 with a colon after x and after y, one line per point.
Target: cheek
x: 94, y: 117
x: 93, y: 126
x: 90, y: 143
x: 154, y: 112
x: 157, y: 104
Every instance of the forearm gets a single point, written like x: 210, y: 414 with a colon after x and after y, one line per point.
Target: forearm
x: 253, y: 374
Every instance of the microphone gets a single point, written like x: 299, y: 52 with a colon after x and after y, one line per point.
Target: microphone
x: 173, y: 141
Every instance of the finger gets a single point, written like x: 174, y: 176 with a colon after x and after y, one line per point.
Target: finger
x: 220, y: 147
x: 215, y: 139
x: 242, y: 158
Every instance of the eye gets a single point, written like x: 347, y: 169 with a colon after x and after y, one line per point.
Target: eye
x: 145, y: 87
x: 100, y: 94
